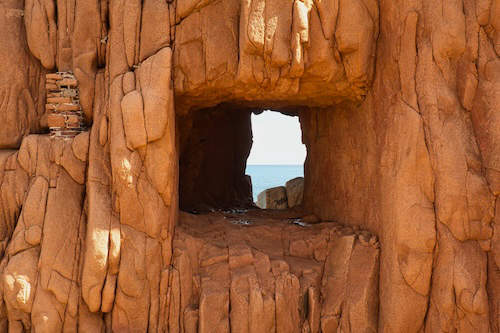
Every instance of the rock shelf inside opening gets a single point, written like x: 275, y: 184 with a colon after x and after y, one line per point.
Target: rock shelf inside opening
x: 263, y: 271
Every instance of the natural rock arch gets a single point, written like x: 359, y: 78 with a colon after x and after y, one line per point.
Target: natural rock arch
x: 398, y: 103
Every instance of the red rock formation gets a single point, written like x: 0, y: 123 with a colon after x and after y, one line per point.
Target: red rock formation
x: 399, y: 107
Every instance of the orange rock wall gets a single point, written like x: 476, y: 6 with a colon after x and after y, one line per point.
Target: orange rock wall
x: 22, y: 81
x: 415, y: 164
x: 399, y: 106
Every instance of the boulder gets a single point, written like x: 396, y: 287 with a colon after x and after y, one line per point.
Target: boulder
x: 294, y: 191
x: 273, y: 198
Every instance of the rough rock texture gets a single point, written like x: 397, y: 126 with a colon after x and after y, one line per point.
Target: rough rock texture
x: 289, y: 53
x: 399, y: 107
x: 273, y: 198
x: 70, y: 36
x: 22, y: 83
x: 257, y: 272
x: 295, y: 191
x: 413, y: 163
x: 42, y: 261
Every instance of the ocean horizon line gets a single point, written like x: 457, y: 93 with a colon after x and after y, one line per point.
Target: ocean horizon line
x: 269, y: 164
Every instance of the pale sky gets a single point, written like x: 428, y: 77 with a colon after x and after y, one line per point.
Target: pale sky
x: 277, y: 139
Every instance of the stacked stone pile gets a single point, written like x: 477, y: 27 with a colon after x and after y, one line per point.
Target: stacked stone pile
x: 65, y: 115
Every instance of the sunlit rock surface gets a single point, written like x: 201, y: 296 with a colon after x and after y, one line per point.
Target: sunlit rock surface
x: 399, y: 109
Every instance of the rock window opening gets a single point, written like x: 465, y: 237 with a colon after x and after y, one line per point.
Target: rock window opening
x: 215, y: 144
x: 287, y: 259
x: 276, y: 161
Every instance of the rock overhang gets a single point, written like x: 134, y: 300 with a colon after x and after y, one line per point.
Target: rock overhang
x: 275, y: 53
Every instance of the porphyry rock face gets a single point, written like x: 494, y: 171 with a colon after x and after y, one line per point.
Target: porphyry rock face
x: 267, y: 275
x: 22, y: 81
x: 399, y: 109
x: 311, y: 53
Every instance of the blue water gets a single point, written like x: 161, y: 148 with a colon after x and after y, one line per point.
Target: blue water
x: 266, y: 176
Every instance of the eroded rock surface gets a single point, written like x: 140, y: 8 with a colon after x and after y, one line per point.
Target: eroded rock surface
x: 399, y: 109
x: 41, y: 264
x: 22, y: 83
x: 270, y: 275
x: 288, y: 53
